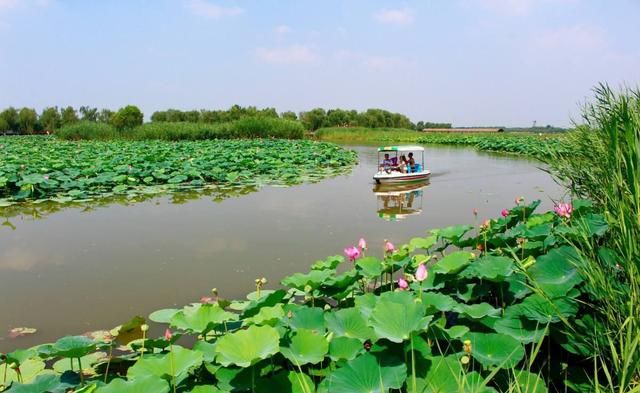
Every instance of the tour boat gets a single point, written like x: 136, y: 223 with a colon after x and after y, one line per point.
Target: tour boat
x: 391, y: 172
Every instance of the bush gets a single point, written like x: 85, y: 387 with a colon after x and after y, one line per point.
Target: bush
x: 87, y: 130
x: 127, y: 118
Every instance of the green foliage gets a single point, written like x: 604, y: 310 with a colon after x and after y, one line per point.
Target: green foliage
x: 46, y: 168
x: 87, y: 130
x: 127, y: 118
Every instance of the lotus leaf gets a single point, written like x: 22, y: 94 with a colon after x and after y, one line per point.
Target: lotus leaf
x: 453, y: 233
x: 348, y: 322
x: 423, y: 243
x: 555, y: 272
x: 515, y: 325
x: 330, y: 263
x: 453, y: 263
x: 267, y: 316
x: 206, y: 389
x: 267, y: 299
x: 207, y: 349
x: 396, y: 322
x: 200, y: 317
x: 29, y: 369
x: 544, y: 310
x: 365, y: 374
x: 442, y: 375
x: 370, y: 267
x: 528, y: 382
x: 307, y: 318
x: 492, y: 349
x: 74, y: 346
x: 306, y: 346
x: 87, y: 362
x: 439, y: 301
x: 491, y: 268
x: 43, y: 383
x: 178, y: 363
x: 344, y: 348
x: 163, y: 316
x: 477, y: 311
x: 286, y: 382
x: 245, y: 347
x: 140, y: 384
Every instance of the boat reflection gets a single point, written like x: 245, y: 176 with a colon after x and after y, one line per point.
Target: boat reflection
x: 397, y: 202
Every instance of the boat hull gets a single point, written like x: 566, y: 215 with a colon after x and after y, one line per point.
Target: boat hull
x: 401, y: 178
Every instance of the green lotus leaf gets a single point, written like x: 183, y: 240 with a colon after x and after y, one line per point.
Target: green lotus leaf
x: 492, y: 349
x: 423, y: 243
x: 491, y: 268
x: 348, y: 322
x: 365, y: 374
x: 178, y: 363
x: 365, y: 304
x: 267, y: 316
x: 370, y: 267
x: 555, y: 273
x: 396, y: 322
x: 163, y: 316
x: 245, y: 347
x: 140, y: 384
x: 477, y: 311
x: 206, y: 389
x: 43, y: 383
x: 592, y: 224
x: 452, y: 233
x: 286, y: 382
x: 453, y: 263
x: 19, y: 356
x: 314, y: 279
x: 330, y: 263
x: 29, y: 370
x: 87, y: 389
x: 74, y: 346
x: 473, y: 382
x: 207, y: 349
x: 306, y: 346
x: 87, y: 362
x: 513, y: 324
x: 267, y: 299
x: 439, y: 301
x: 545, y: 310
x: 344, y: 348
x: 201, y: 317
x: 311, y: 318
x: 517, y: 286
x: 528, y: 382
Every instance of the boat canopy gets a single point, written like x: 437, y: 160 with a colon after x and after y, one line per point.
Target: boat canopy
x: 401, y: 148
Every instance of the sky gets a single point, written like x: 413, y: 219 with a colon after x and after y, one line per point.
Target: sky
x: 466, y: 62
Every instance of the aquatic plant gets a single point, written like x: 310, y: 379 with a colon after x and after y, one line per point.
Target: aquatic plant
x: 505, y: 319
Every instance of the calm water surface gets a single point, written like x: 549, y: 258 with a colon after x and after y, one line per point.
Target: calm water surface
x: 77, y: 271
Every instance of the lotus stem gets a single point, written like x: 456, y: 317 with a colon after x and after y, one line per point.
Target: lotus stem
x: 80, y: 371
x: 4, y: 377
x: 173, y: 373
x: 106, y: 371
x: 413, y: 360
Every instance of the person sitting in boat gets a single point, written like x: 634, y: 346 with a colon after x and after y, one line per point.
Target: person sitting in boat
x: 386, y: 164
x: 403, y: 164
x: 412, y: 163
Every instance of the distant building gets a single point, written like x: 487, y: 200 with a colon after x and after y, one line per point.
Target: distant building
x: 470, y: 129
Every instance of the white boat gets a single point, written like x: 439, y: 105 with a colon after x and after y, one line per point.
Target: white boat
x: 392, y: 173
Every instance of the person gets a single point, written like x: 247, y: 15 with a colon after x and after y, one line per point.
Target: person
x: 403, y: 164
x: 412, y: 163
x: 386, y: 164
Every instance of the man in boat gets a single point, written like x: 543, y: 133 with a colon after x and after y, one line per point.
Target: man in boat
x: 386, y: 164
x: 412, y: 163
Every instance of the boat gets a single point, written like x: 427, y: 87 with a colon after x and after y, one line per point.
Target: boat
x: 391, y: 174
x: 397, y: 202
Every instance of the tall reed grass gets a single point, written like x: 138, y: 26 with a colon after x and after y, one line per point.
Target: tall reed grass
x: 604, y: 166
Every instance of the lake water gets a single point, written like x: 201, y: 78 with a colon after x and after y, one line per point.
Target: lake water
x: 75, y: 270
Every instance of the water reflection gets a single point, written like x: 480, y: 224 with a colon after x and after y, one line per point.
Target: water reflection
x: 396, y: 202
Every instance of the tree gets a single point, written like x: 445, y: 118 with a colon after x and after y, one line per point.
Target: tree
x: 104, y: 116
x: 68, y: 115
x: 50, y: 119
x: 159, y: 116
x: 128, y: 117
x: 88, y: 113
x: 27, y: 119
x: 313, y: 119
x: 10, y: 116
x: 4, y: 126
x: 289, y: 115
x: 192, y: 116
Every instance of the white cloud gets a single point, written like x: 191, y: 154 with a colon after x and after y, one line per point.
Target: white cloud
x: 294, y: 54
x: 283, y: 29
x: 209, y: 10
x: 402, y: 16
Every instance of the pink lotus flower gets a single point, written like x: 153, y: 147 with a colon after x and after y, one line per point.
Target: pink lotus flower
x: 475, y: 211
x: 403, y: 284
x: 389, y: 247
x: 563, y: 209
x: 422, y: 273
x: 362, y: 244
x: 519, y: 200
x: 504, y: 212
x: 45, y: 177
x: 167, y: 335
x: 352, y: 253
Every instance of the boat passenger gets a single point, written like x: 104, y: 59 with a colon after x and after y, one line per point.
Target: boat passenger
x: 403, y: 164
x: 412, y: 163
x: 386, y: 164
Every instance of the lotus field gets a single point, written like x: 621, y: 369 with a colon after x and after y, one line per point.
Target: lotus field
x: 486, y: 308
x: 44, y: 168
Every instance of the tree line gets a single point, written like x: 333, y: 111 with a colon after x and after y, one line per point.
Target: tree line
x: 28, y: 121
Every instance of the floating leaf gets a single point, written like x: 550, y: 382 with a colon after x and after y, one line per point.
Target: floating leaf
x: 245, y: 347
x: 306, y: 346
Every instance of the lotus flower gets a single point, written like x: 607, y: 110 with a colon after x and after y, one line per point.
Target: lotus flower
x: 168, y: 335
x: 402, y: 284
x: 45, y: 177
x: 563, y: 209
x: 475, y: 211
x: 504, y: 212
x: 362, y: 244
x: 422, y: 273
x: 389, y: 247
x: 352, y: 253
x: 519, y: 200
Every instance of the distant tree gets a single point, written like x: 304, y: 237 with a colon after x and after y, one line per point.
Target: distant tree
x: 159, y: 116
x: 337, y: 118
x: 128, y: 117
x: 27, y: 120
x: 268, y: 112
x: 313, y: 119
x: 4, y: 126
x: 210, y: 116
x: 289, y: 115
x: 420, y: 125
x: 68, y: 115
x: 191, y: 116
x: 436, y: 125
x: 10, y: 116
x: 174, y: 115
x: 50, y: 119
x: 88, y: 113
x: 105, y: 116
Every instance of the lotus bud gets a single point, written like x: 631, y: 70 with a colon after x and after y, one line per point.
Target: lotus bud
x: 214, y: 291
x: 257, y: 281
x: 168, y: 335
x: 466, y: 346
x: 422, y: 273
x: 465, y: 360
x: 362, y: 244
x: 402, y: 284
x: 475, y: 211
x: 144, y: 327
x: 504, y: 212
x: 308, y: 288
x: 263, y: 281
x: 115, y: 331
x: 389, y: 247
x: 327, y: 307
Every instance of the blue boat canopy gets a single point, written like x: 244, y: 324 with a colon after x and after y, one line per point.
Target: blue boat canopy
x: 401, y: 148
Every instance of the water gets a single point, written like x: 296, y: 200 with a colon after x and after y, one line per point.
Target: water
x: 76, y: 271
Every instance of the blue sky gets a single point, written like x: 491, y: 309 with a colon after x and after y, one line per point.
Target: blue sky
x: 470, y: 62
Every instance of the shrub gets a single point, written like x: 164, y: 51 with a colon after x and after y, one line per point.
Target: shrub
x: 87, y: 130
x: 127, y: 118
